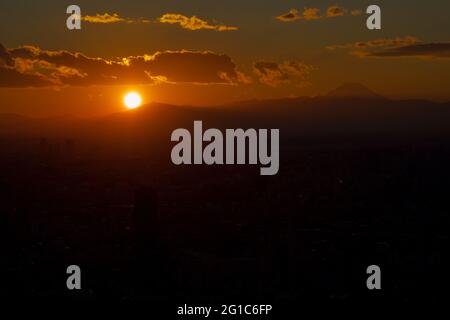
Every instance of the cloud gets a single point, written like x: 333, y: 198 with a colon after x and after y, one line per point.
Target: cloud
x: 10, y: 78
x: 190, y: 67
x: 424, y: 50
x: 29, y: 66
x: 335, y: 11
x: 107, y: 18
x: 189, y: 23
x: 398, y: 47
x: 314, y: 14
x: 311, y: 14
x: 291, y: 16
x: 288, y: 72
x: 5, y: 58
x: 20, y: 77
x: 193, y: 23
x: 396, y: 42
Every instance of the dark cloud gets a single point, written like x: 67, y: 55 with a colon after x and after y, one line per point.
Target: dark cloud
x: 314, y: 14
x: 10, y: 78
x: 189, y: 66
x: 287, y: 72
x: 5, y: 57
x: 59, y: 68
x: 424, y: 50
x: 387, y: 43
x: 397, y: 47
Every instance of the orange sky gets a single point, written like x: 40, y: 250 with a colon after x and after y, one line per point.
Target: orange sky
x: 201, y: 53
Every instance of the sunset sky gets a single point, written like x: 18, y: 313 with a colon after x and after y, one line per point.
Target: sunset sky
x: 207, y: 52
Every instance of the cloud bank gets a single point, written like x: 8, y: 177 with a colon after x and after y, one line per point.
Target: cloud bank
x: 30, y: 66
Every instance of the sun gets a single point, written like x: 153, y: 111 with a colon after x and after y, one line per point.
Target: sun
x: 132, y: 100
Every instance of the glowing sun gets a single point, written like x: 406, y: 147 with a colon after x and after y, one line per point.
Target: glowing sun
x: 132, y: 100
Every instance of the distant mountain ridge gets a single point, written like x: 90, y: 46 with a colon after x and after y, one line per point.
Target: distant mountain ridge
x: 349, y: 111
x: 353, y: 90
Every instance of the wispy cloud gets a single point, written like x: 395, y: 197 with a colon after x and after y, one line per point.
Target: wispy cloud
x: 396, y: 42
x: 398, y: 47
x: 107, y: 18
x: 193, y: 23
x: 314, y: 13
x: 437, y: 50
x: 189, y: 23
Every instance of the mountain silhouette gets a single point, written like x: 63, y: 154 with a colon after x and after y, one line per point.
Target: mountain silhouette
x: 353, y: 90
x: 350, y: 112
